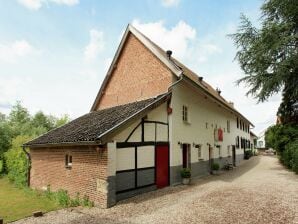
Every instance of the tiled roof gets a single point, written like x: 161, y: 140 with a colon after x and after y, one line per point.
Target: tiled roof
x: 90, y: 127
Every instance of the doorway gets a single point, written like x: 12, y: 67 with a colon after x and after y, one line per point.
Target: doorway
x: 234, y: 155
x: 210, y: 158
x: 186, y: 155
x: 162, y: 166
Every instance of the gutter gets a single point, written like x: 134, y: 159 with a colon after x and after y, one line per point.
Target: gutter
x: 29, y: 165
x: 225, y: 106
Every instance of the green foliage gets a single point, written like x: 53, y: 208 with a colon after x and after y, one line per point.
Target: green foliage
x: 185, y: 173
x: 284, y: 139
x: 268, y: 55
x: 215, y: 166
x: 248, y: 154
x: 16, y: 129
x: 1, y: 166
x: 74, y: 202
x: 86, y: 202
x: 278, y: 136
x: 63, y: 198
x: 17, y: 162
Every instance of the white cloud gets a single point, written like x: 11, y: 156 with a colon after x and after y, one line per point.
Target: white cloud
x: 170, y: 3
x: 37, y: 4
x: 181, y: 39
x: 12, y: 51
x: 96, y: 45
x: 177, y: 38
x: 31, y: 4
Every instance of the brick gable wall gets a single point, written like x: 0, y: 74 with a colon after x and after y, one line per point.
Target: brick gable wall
x: 138, y: 75
x: 48, y: 168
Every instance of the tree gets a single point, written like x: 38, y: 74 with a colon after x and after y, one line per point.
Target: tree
x: 16, y: 161
x: 268, y: 55
x: 19, y: 119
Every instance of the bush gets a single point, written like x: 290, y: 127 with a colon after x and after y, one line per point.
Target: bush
x: 1, y: 166
x: 248, y: 154
x: 215, y: 166
x: 86, y: 202
x: 290, y: 156
x: 63, y: 198
x: 185, y: 173
x: 284, y: 139
x: 17, y: 162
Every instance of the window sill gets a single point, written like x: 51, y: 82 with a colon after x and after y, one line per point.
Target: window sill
x: 186, y: 122
x: 68, y: 167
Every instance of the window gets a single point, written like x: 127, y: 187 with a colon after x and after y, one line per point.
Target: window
x: 237, y: 122
x: 228, y: 126
x: 68, y: 161
x: 237, y: 142
x: 185, y: 113
x: 229, y: 151
x: 206, y: 125
x: 199, y: 147
x: 219, y: 152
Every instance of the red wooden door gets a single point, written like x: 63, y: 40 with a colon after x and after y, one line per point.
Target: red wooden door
x: 162, y: 166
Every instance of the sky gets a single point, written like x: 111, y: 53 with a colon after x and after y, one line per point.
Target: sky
x: 54, y: 54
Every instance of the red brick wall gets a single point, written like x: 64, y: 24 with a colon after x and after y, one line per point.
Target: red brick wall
x: 139, y: 74
x: 48, y: 168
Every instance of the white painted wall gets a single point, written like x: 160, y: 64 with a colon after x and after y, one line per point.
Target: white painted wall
x: 201, y: 111
x: 158, y: 114
x: 125, y: 157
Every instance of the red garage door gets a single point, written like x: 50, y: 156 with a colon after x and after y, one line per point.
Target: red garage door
x: 162, y: 166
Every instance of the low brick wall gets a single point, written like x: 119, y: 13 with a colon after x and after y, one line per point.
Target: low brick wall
x: 88, y: 171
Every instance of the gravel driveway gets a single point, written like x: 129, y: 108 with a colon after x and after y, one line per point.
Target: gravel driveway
x: 258, y: 191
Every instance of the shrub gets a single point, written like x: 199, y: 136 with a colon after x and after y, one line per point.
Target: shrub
x: 1, y: 166
x: 185, y: 173
x: 248, y: 154
x: 86, y: 202
x: 215, y: 166
x: 75, y: 201
x: 290, y: 156
x: 17, y: 162
x: 63, y: 198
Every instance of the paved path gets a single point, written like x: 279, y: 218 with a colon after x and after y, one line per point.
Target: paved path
x: 258, y: 191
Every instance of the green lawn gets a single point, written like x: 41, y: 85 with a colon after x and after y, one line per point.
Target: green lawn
x: 16, y: 203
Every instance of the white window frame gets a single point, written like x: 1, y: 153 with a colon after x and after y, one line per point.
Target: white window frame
x: 185, y: 114
x: 228, y: 126
x: 68, y: 160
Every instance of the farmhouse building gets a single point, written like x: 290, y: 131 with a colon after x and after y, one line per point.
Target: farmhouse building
x: 152, y: 117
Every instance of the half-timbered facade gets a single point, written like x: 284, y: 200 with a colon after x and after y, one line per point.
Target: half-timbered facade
x: 152, y: 117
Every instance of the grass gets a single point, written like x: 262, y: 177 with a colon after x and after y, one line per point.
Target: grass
x: 17, y: 203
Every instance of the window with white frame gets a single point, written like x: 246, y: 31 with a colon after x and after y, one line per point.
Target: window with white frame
x: 228, y: 126
x: 199, y: 147
x: 68, y: 161
x: 185, y: 116
x: 229, y: 151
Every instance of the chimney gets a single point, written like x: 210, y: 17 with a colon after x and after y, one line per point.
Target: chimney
x: 231, y: 103
x: 218, y: 91
x: 169, y: 54
x: 200, y: 78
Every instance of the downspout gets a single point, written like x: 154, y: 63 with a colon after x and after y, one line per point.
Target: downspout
x: 175, y: 83
x: 29, y: 165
